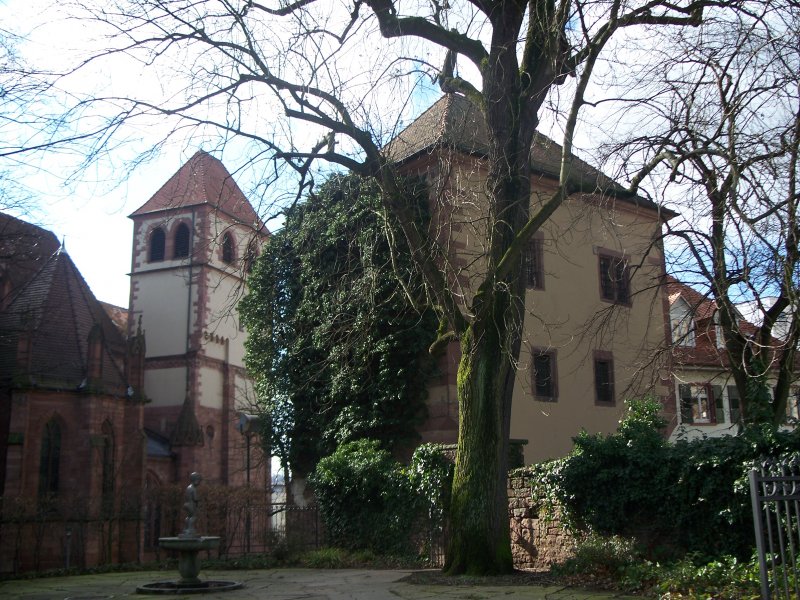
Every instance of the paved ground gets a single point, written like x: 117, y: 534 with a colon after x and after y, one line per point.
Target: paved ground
x: 286, y: 584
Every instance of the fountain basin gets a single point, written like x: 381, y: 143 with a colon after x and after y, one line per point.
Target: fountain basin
x: 174, y: 587
x: 188, y: 548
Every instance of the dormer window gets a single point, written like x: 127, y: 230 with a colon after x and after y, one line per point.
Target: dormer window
x: 718, y: 333
x: 227, y: 249
x: 682, y: 323
x: 182, y: 241
x: 156, y: 250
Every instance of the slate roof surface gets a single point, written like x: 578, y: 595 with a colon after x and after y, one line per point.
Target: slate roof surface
x: 55, y: 306
x: 456, y: 122
x: 202, y: 180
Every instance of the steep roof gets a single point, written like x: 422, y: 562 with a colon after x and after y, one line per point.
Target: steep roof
x: 24, y: 248
x: 456, y: 122
x: 56, y: 308
x: 202, y: 180
x: 701, y: 306
x: 705, y: 351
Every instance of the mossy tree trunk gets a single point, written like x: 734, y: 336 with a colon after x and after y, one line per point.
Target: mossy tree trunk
x: 480, y: 542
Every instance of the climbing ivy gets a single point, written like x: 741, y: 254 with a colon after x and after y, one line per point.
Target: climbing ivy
x: 338, y: 327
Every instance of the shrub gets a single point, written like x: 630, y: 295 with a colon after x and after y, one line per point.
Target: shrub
x: 366, y: 499
x: 690, y: 497
x: 370, y: 502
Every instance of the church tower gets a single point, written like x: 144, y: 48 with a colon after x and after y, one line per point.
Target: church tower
x: 193, y: 244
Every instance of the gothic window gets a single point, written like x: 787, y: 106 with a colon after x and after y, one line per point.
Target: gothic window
x: 50, y: 460
x: 156, y: 251
x: 152, y: 511
x: 227, y: 249
x: 108, y: 467
x: 182, y: 238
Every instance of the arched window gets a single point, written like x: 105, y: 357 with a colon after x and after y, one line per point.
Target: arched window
x: 227, y: 248
x: 152, y: 511
x: 50, y: 459
x: 108, y: 468
x: 182, y: 241
x: 157, y: 239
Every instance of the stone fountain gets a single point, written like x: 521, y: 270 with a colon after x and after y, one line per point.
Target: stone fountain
x: 189, y: 544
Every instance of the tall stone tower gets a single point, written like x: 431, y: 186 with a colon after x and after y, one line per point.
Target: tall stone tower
x: 193, y: 244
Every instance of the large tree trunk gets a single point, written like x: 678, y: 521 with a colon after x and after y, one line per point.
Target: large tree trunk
x: 481, y: 545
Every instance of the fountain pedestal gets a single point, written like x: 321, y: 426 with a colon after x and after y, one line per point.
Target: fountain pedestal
x: 188, y: 560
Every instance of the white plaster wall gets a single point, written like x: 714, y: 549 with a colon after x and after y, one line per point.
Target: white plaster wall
x: 165, y: 387
x: 163, y: 302
x: 224, y: 293
x: 210, y: 387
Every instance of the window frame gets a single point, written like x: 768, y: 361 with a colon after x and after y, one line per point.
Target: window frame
x: 710, y: 401
x: 551, y: 354
x: 50, y: 455
x: 616, y: 260
x: 181, y: 248
x: 607, y: 358
x: 533, y: 264
x: 227, y: 249
x: 161, y: 255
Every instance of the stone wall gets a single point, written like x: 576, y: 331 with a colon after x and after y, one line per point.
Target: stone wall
x: 538, y: 538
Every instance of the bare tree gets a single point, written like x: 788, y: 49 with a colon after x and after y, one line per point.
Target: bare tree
x: 724, y: 147
x: 329, y: 71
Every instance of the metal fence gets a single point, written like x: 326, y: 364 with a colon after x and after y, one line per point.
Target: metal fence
x: 269, y: 527
x: 775, y: 494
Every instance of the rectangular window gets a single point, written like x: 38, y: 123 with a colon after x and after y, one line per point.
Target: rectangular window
x: 544, y: 375
x: 604, y: 379
x: 793, y: 405
x: 733, y: 403
x: 534, y: 272
x: 614, y: 279
x: 697, y: 403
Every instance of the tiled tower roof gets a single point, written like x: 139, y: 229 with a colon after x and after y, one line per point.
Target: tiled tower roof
x: 202, y: 180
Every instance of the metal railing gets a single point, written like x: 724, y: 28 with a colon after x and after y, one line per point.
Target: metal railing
x: 775, y: 496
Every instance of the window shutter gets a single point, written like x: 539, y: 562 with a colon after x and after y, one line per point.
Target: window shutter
x: 733, y: 403
x: 719, y: 409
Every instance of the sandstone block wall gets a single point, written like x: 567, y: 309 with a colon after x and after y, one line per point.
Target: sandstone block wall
x: 538, y: 537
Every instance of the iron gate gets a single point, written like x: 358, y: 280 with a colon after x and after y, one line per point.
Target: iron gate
x: 775, y: 495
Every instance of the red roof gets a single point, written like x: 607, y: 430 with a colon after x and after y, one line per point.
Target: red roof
x: 705, y: 351
x: 203, y: 180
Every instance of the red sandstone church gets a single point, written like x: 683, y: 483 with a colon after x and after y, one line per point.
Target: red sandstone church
x: 100, y: 404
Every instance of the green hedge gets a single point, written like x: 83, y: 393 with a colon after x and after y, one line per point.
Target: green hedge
x: 687, y: 497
